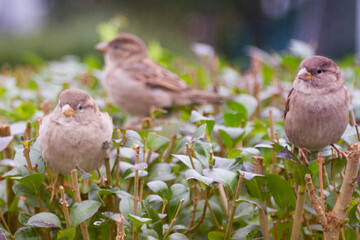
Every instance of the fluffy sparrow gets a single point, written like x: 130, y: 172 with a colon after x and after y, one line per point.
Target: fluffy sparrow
x: 75, y: 133
x: 317, y: 109
x: 135, y: 83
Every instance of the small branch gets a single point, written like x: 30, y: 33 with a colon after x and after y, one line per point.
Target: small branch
x: 320, y: 161
x: 75, y: 185
x: 120, y: 229
x: 272, y: 139
x: 353, y: 122
x: 65, y: 207
x: 314, y: 202
x: 117, y: 161
x: 223, y: 198
x: 188, y: 150
x: 300, y: 201
x: 201, y: 219
x: 5, y: 224
x: 108, y: 172
x: 174, y: 219
x: 136, y: 187
x: 348, y: 185
x: 170, y: 148
x: 26, y: 153
x: 258, y: 164
x: 195, y: 202
x: 202, y: 191
x: 233, y: 206
x: 28, y: 131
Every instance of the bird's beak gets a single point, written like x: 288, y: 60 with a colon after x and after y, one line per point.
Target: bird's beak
x: 67, y: 110
x: 304, y: 75
x: 103, y: 46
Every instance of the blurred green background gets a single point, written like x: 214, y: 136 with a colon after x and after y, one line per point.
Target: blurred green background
x: 35, y: 30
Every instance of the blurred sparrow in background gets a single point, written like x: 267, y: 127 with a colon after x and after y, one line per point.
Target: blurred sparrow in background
x: 317, y: 109
x: 76, y: 133
x: 135, y: 83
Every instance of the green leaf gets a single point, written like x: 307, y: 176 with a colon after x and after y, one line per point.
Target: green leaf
x: 28, y: 233
x: 186, y: 160
x: 226, y: 177
x: 260, y: 204
x: 139, y: 221
x: 250, y: 232
x: 216, y: 235
x: 281, y: 191
x: 192, y: 174
x: 133, y: 138
x: 226, y: 139
x: 179, y: 192
x: 249, y: 102
x: 5, y: 141
x: 32, y: 181
x: 22, y: 191
x: 199, y: 133
x: 255, y: 186
x: 66, y: 233
x: 44, y: 220
x: 35, y: 158
x: 354, y: 219
x: 154, y: 141
x: 197, y: 117
x: 296, y: 171
x: 177, y: 236
x: 160, y: 188
x: 81, y: 211
x: 234, y: 119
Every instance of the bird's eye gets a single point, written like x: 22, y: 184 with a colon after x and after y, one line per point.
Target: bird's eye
x: 319, y: 71
x: 80, y: 107
x: 116, y: 46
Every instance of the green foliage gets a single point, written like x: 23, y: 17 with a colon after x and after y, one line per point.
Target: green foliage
x: 173, y: 190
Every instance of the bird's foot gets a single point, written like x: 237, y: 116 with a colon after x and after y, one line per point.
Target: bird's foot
x: 101, y: 180
x: 340, y: 153
x: 304, y: 155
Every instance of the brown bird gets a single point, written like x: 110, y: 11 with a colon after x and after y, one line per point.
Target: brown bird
x: 76, y: 133
x: 136, y: 83
x: 317, y: 109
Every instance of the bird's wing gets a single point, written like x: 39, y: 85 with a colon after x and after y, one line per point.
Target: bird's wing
x: 287, y: 105
x: 155, y: 76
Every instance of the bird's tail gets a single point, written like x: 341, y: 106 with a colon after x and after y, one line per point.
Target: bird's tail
x: 192, y: 97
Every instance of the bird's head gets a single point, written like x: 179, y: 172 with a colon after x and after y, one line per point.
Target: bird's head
x: 125, y: 47
x: 77, y: 104
x: 318, y: 73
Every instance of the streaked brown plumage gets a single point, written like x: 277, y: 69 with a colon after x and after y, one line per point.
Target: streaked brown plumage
x: 75, y: 133
x: 135, y: 82
x: 316, y: 111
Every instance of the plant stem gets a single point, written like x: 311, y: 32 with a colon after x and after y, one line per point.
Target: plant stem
x: 272, y: 139
x: 202, y: 191
x: 120, y: 229
x: 320, y: 161
x: 136, y: 187
x: 170, y: 148
x: 233, y: 206
x: 5, y: 224
x: 26, y: 153
x: 75, y: 185
x: 223, y: 198
x: 195, y: 202
x: 65, y: 207
x: 108, y: 172
x: 201, y: 219
x: 117, y: 161
x: 300, y: 201
x: 174, y: 219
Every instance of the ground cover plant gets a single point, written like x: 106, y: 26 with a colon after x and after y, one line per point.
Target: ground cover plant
x: 203, y: 173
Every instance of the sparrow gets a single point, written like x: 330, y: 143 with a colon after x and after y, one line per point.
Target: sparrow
x: 136, y: 83
x: 76, y: 133
x: 317, y: 108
